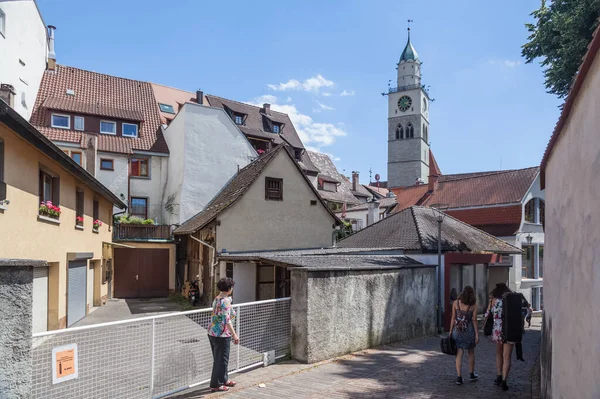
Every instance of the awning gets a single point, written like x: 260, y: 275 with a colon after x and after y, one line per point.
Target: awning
x: 114, y: 244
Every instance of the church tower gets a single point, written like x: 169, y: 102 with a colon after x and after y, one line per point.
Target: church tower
x: 408, y: 123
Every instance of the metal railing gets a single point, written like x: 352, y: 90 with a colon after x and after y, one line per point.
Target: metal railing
x: 122, y: 231
x: 156, y: 356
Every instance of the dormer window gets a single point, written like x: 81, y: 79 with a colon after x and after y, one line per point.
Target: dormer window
x: 276, y: 128
x: 166, y: 108
x: 238, y: 119
x: 61, y: 121
x: 130, y: 130
x: 108, y: 127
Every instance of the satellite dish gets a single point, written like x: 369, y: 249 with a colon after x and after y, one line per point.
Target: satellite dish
x: 377, y: 177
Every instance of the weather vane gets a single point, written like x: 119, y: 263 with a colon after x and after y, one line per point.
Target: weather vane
x: 409, y: 21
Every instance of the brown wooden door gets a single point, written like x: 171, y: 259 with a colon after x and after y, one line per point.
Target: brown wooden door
x: 141, y: 273
x: 153, y: 269
x: 125, y: 273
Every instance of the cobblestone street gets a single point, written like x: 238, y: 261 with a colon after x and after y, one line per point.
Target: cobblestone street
x: 414, y: 369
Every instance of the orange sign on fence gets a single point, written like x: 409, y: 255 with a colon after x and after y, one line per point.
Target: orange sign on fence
x: 64, y: 363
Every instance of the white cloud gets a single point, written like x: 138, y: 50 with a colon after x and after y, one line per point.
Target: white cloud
x: 313, y: 134
x: 326, y: 94
x: 506, y: 63
x: 313, y: 84
x: 333, y: 157
x: 347, y: 93
x: 265, y: 98
x: 289, y: 99
x: 325, y: 107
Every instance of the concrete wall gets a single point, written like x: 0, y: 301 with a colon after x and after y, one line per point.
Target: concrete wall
x: 253, y: 223
x: 23, y: 52
x: 16, y: 304
x: 338, y: 312
x: 206, y: 150
x: 26, y: 236
x: 570, y: 344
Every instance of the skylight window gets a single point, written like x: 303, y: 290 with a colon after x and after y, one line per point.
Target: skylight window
x: 166, y: 108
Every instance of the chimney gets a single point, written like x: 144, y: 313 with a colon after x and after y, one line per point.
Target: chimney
x: 354, y: 181
x: 7, y: 93
x: 91, y: 153
x: 199, y: 96
x: 51, y: 65
x: 432, y: 182
x: 373, y: 212
x: 267, y: 108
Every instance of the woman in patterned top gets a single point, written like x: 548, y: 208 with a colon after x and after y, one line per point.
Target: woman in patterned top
x: 220, y: 334
x: 503, y: 349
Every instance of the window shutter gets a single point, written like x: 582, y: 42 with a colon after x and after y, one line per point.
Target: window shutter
x: 41, y: 186
x: 56, y: 191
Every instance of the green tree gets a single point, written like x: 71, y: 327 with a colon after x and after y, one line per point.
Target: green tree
x: 559, y: 37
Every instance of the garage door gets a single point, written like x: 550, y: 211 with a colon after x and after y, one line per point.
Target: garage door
x: 77, y: 291
x: 40, y: 299
x: 141, y: 273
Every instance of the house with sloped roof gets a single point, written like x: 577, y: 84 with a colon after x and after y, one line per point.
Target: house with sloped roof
x: 508, y: 204
x: 270, y: 205
x: 111, y: 127
x: 470, y: 256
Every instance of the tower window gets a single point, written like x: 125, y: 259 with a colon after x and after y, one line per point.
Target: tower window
x: 399, y: 132
x: 410, y: 131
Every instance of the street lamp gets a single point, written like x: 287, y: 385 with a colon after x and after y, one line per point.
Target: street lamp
x: 529, y: 238
x: 439, y: 215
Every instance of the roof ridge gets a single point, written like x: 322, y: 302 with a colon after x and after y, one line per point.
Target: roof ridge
x: 417, y: 226
x: 484, y: 174
x: 103, y: 74
x: 247, y: 104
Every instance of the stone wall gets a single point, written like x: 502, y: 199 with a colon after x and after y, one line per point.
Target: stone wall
x: 338, y: 312
x: 16, y: 296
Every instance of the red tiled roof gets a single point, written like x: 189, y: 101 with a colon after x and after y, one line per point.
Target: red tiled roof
x: 434, y: 169
x: 69, y: 105
x: 409, y: 196
x: 493, y: 188
x: 130, y: 98
x: 588, y: 59
x: 498, y: 221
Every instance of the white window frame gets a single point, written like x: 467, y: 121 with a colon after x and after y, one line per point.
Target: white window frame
x: 68, y: 127
x: 2, y: 23
x: 111, y: 133
x: 276, y: 127
x: 235, y: 120
x: 129, y: 124
x: 76, y: 118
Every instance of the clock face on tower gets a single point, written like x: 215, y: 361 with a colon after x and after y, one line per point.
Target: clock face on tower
x: 404, y: 103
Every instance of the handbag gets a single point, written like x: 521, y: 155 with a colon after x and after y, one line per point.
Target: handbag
x: 448, y: 345
x: 488, y: 323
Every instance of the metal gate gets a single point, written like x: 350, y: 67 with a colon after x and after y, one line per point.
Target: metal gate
x: 77, y: 291
x: 40, y: 299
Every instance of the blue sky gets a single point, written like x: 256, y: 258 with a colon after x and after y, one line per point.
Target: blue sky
x: 491, y: 110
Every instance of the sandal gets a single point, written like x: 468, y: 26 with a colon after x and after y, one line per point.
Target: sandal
x: 222, y: 388
x: 230, y: 383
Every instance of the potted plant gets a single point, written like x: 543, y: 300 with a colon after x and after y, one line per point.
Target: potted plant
x: 49, y: 210
x: 79, y: 221
x: 260, y: 152
x: 97, y: 225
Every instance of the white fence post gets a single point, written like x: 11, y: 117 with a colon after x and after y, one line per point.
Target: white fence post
x: 152, y: 363
x: 237, y: 330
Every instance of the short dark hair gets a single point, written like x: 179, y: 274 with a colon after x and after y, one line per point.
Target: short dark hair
x: 467, y: 296
x: 225, y: 284
x: 500, y: 290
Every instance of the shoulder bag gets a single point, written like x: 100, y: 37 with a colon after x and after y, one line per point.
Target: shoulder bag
x: 488, y: 323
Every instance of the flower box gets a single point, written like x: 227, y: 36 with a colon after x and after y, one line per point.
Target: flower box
x: 79, y: 221
x: 49, y: 210
x: 97, y: 225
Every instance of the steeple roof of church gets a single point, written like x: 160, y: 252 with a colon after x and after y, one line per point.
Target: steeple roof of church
x: 409, y: 53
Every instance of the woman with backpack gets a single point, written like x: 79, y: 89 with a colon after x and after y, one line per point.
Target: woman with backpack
x: 463, y: 328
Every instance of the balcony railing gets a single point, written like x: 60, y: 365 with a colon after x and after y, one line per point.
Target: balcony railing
x: 141, y: 232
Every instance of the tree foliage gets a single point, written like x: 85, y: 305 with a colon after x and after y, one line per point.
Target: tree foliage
x: 559, y: 37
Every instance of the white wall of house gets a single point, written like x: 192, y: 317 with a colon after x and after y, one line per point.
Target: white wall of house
x: 206, y: 150
x: 23, y: 50
x: 115, y: 180
x: 570, y: 344
x: 152, y: 187
x: 254, y: 223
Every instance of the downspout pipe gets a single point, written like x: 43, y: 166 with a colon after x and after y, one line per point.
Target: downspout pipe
x: 214, y: 254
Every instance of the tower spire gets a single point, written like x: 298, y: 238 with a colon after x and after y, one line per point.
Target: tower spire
x: 408, y: 29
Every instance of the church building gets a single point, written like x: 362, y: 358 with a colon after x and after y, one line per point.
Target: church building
x: 408, y: 124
